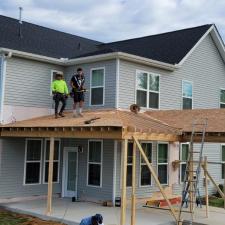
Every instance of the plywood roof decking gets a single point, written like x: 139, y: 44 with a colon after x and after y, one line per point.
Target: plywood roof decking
x: 108, y: 118
x: 183, y: 119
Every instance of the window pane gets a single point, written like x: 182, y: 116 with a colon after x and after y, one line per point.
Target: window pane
x: 56, y: 150
x: 95, y: 151
x: 97, y: 78
x: 141, y: 98
x: 187, y: 103
x: 145, y: 175
x: 183, y: 168
x: 184, y: 153
x: 129, y: 175
x: 32, y: 173
x: 187, y: 89
x: 222, y: 96
x: 130, y: 152
x: 97, y: 96
x: 222, y: 171
x: 142, y: 80
x: 154, y: 82
x: 147, y: 147
x: 162, y: 174
x: 162, y: 153
x: 55, y: 171
x: 33, y: 150
x: 94, y: 174
x: 222, y: 106
x: 153, y: 100
x: 223, y: 153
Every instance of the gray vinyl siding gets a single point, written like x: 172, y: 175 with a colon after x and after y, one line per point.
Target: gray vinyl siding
x: 204, y: 67
x: 0, y: 80
x: 94, y: 193
x: 12, y: 154
x: 27, y: 83
x: 110, y: 82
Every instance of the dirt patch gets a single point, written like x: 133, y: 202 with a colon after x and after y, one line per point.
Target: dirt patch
x: 11, y: 218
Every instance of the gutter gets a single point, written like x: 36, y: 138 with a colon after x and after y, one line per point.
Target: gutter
x: 95, y: 58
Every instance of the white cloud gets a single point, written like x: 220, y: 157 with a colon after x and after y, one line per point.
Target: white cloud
x: 111, y: 20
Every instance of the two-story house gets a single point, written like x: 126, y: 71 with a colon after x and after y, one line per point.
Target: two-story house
x: 171, y: 71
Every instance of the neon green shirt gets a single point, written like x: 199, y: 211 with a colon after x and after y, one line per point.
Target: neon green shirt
x: 59, y: 86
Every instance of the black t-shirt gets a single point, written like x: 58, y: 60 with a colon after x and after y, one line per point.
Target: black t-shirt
x: 78, y: 82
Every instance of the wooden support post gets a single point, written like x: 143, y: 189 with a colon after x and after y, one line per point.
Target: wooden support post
x: 124, y: 183
x: 206, y: 188
x: 156, y: 179
x: 133, y: 197
x: 50, y: 176
x: 214, y: 183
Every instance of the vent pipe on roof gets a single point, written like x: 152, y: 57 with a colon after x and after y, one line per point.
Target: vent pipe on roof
x: 20, y: 22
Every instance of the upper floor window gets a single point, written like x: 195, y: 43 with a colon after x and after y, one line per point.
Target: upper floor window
x: 222, y: 98
x: 147, y: 90
x: 187, y: 94
x: 223, y: 159
x: 145, y: 173
x: 183, y: 157
x: 33, y: 152
x: 97, y: 86
x: 163, y: 163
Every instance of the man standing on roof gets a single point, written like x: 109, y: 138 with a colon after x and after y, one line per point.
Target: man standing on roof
x: 60, y: 94
x: 77, y: 83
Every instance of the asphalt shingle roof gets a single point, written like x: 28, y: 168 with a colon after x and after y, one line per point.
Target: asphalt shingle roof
x: 168, y: 47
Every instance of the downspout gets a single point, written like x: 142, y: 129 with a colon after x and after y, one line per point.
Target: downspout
x: 5, y: 56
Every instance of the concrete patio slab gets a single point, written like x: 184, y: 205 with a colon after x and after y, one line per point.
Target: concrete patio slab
x: 72, y: 212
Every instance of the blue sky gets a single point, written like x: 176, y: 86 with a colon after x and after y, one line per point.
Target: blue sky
x: 112, y: 20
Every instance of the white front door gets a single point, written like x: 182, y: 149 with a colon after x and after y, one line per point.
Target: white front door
x: 70, y: 172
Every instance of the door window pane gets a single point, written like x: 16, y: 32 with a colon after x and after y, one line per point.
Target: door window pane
x: 187, y: 103
x: 72, y: 173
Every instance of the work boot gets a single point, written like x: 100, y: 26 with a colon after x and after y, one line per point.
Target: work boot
x: 61, y: 114
x: 56, y: 116
x: 80, y: 114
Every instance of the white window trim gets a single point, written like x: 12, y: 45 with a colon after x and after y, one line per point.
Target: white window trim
x: 182, y: 163
x: 53, y: 71
x: 97, y: 68
x: 101, y: 163
x: 221, y: 103
x: 192, y: 98
x: 221, y: 154
x: 168, y: 153
x: 25, y: 162
x: 147, y: 90
x: 44, y: 161
x: 141, y: 164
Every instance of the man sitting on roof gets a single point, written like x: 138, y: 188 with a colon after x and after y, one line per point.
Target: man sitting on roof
x: 60, y: 94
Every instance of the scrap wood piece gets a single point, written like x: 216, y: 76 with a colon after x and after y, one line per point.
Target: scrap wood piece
x: 91, y: 120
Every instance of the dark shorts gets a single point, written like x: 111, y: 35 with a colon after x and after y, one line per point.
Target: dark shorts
x: 78, y: 96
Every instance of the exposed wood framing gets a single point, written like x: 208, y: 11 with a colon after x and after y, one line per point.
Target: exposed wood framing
x: 50, y: 176
x: 210, y: 137
x: 124, y: 183
x: 133, y: 197
x: 156, y: 178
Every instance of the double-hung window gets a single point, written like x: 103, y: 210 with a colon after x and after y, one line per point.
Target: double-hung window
x: 95, y: 163
x: 56, y: 161
x: 223, y: 159
x: 183, y: 157
x: 147, y: 90
x: 97, y: 86
x: 163, y: 163
x: 129, y: 164
x: 222, y: 98
x: 33, y: 161
x: 187, y: 94
x: 145, y: 178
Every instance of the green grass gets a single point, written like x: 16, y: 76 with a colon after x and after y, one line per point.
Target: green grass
x: 9, y: 218
x: 216, y: 202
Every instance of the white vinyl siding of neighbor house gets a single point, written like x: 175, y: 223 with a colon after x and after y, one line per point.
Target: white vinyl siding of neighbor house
x: 204, y: 67
x: 109, y: 82
x: 28, y: 82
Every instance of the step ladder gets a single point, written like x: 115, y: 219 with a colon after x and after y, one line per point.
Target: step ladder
x: 190, y: 192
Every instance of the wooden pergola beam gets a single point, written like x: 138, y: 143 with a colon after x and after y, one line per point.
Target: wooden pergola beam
x: 213, y: 138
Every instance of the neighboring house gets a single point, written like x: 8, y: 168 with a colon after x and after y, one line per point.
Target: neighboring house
x: 177, y: 70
